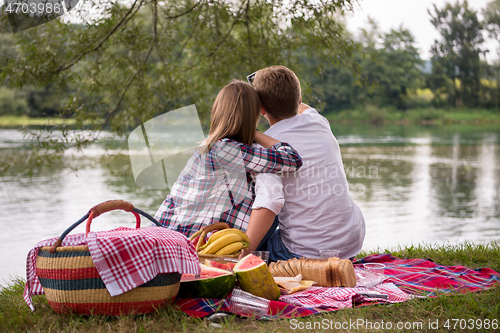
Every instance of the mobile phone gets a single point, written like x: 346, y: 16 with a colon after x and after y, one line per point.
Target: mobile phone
x: 251, y: 77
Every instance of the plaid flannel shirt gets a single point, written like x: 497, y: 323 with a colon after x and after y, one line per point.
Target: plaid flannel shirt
x: 218, y: 186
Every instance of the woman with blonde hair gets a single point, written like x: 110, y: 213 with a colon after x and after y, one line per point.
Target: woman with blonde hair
x: 217, y: 183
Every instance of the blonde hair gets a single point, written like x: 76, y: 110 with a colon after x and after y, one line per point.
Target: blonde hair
x: 279, y: 91
x: 234, y: 114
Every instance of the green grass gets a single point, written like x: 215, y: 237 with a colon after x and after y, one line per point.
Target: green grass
x: 16, y: 121
x: 15, y: 316
x: 426, y: 116
x: 367, y: 114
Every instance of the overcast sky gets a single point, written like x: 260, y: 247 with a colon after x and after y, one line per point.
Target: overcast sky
x: 413, y: 15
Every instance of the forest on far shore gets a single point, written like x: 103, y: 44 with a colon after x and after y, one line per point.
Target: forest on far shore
x: 385, y: 71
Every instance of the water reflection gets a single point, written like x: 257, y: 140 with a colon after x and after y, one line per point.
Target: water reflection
x: 436, y: 186
x: 413, y: 184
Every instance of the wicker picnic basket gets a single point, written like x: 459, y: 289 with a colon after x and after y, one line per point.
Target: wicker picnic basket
x: 72, y: 283
x: 203, y: 232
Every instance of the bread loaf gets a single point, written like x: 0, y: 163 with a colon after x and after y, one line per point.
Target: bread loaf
x: 331, y: 272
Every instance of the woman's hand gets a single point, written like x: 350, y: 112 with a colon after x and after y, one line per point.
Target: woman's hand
x: 265, y: 140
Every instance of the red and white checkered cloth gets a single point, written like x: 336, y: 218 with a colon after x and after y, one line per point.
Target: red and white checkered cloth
x: 125, y: 258
x: 322, y: 297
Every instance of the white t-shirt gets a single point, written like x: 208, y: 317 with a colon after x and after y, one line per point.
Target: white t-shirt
x: 315, y: 208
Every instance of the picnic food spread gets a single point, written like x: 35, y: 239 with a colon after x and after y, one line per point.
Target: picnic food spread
x: 252, y: 273
x: 331, y: 272
x: 212, y: 283
x: 216, y: 278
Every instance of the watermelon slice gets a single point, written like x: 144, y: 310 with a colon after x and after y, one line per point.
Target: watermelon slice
x: 250, y: 261
x: 212, y: 283
x: 227, y: 266
x: 254, y: 277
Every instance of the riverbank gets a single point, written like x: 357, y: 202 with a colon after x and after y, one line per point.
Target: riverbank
x: 15, y: 316
x: 18, y: 121
x: 423, y: 116
x: 366, y: 115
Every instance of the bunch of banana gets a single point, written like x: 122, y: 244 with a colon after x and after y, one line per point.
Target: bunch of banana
x: 226, y: 241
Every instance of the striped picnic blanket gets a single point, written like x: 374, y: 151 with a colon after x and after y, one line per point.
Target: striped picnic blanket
x: 406, y: 278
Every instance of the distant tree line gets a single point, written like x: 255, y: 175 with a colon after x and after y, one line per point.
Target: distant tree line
x: 382, y: 69
x: 28, y: 100
x: 393, y: 74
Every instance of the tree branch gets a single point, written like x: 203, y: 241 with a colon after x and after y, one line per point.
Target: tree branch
x: 155, y: 21
x: 115, y: 109
x: 216, y: 17
x: 174, y: 17
x: 219, y: 44
x: 186, y: 12
x: 240, y: 12
x: 248, y: 28
x: 190, y: 35
x: 124, y: 20
x: 155, y: 31
x: 153, y: 44
x: 264, y: 40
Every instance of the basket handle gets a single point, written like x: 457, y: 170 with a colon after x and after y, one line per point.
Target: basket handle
x: 205, y: 230
x: 110, y: 205
x: 91, y: 217
x: 103, y: 208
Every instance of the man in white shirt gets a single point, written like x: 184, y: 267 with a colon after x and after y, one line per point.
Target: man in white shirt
x: 315, y: 208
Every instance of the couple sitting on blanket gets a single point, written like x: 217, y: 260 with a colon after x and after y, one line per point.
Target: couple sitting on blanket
x: 291, y: 176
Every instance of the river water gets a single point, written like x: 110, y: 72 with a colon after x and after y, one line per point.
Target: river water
x: 414, y: 185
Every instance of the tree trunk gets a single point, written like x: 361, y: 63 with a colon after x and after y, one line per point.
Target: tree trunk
x: 498, y: 105
x: 458, y: 94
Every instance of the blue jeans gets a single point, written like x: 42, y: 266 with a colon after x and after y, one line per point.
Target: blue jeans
x: 272, y: 243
